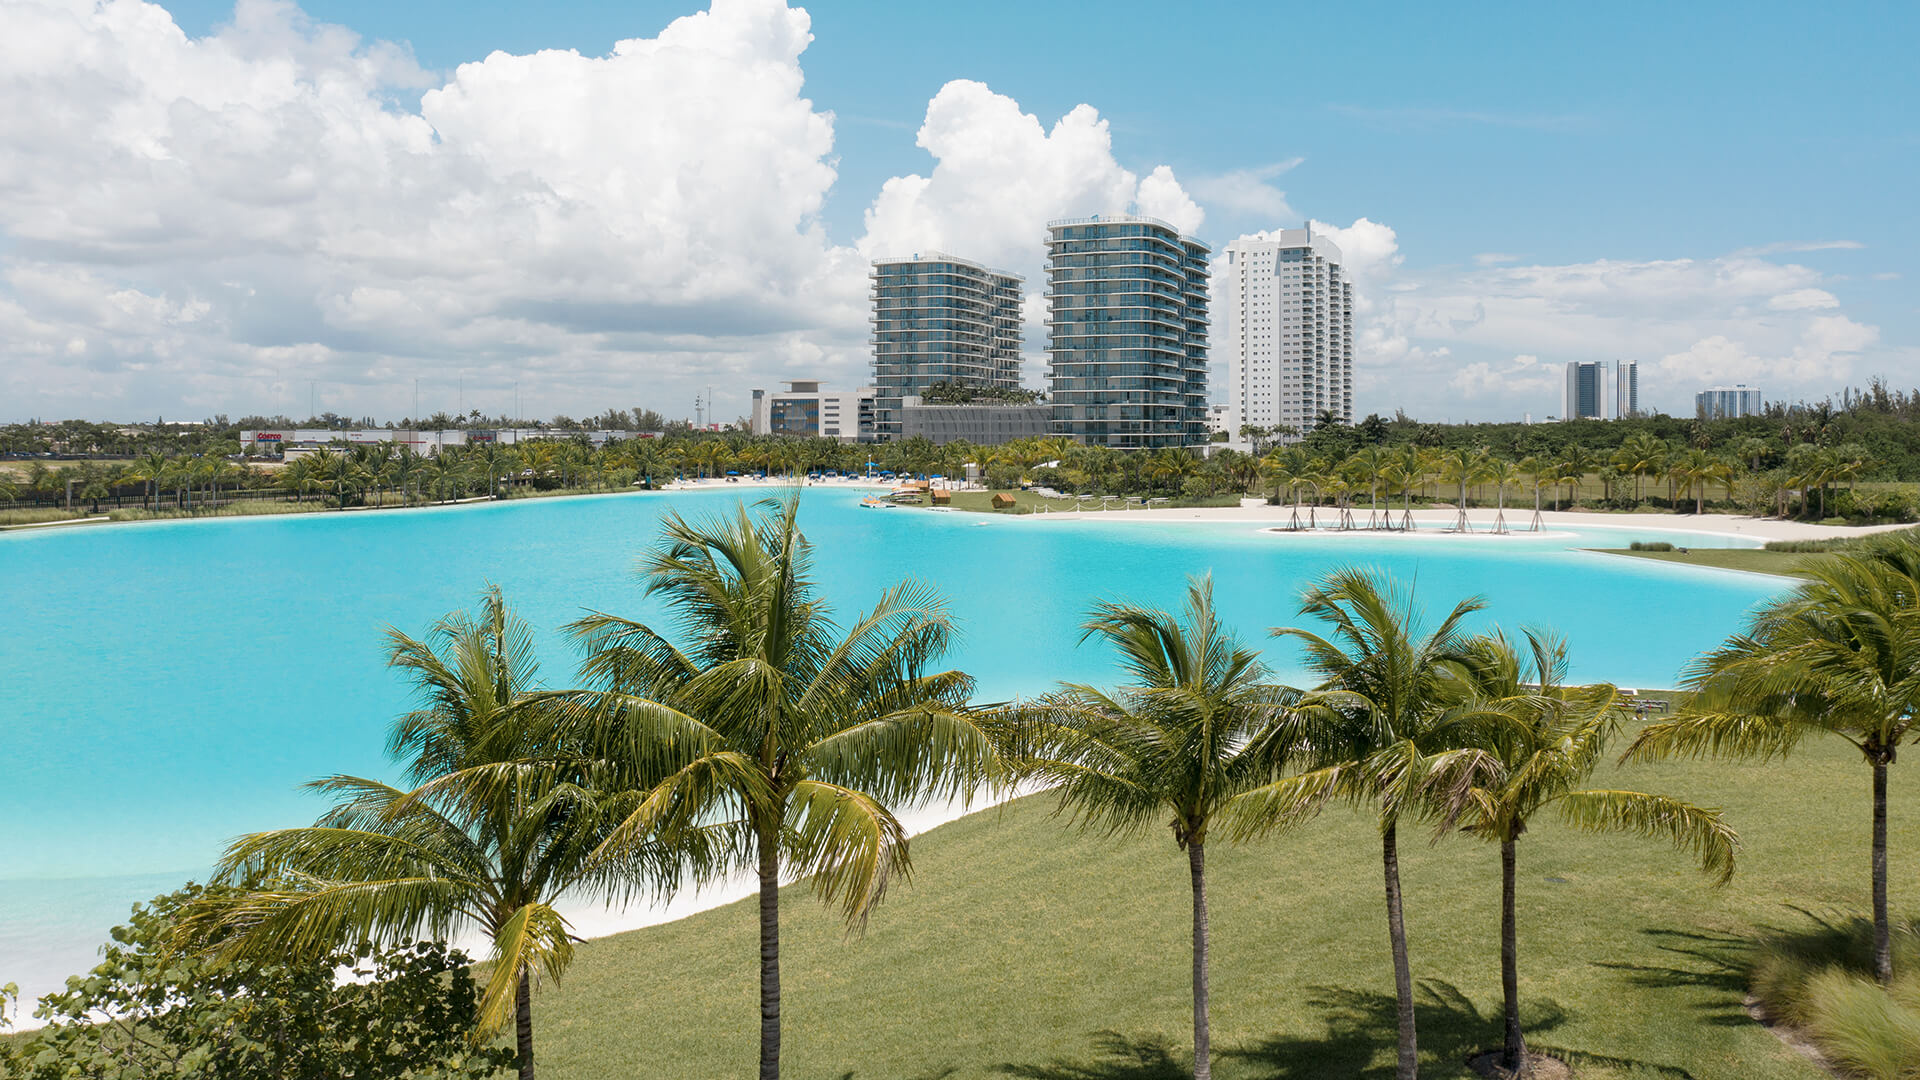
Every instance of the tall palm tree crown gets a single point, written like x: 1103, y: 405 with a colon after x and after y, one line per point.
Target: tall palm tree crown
x: 1384, y: 728
x: 792, y: 735
x: 489, y: 837
x: 1188, y: 731
x: 1838, y: 657
x: 1544, y: 740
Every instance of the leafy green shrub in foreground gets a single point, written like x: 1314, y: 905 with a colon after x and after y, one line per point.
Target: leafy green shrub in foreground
x: 145, y: 1013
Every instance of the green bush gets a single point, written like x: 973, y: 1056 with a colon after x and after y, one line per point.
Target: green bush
x: 148, y: 1012
x: 1649, y: 545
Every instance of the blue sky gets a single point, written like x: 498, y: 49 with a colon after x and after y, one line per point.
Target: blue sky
x: 1557, y: 181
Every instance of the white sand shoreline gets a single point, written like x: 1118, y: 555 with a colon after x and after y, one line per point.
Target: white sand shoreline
x: 1434, y: 523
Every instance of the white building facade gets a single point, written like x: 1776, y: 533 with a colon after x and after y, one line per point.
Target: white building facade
x: 1726, y: 402
x: 1284, y: 331
x: 1626, y: 385
x: 807, y: 411
x: 419, y: 440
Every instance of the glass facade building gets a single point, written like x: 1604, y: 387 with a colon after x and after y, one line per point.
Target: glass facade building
x: 1725, y: 402
x: 937, y: 318
x: 1127, y: 332
x: 1585, y: 396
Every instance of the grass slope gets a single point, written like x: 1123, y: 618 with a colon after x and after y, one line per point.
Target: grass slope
x: 1755, y: 560
x: 1022, y: 948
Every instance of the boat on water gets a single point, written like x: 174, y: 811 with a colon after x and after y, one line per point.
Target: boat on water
x: 874, y: 502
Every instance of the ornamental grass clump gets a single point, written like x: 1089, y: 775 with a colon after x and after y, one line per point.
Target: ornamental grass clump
x: 1820, y: 983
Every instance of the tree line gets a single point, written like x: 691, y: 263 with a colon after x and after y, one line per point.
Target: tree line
x: 1752, y: 475
x: 753, y: 731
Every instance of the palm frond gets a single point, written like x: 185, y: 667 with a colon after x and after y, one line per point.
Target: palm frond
x: 1702, y: 832
x: 534, y: 937
x: 847, y: 843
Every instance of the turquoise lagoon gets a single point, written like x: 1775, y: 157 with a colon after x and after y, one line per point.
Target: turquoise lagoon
x: 170, y: 685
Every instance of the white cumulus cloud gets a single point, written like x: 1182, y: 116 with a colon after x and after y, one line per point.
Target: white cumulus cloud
x: 999, y: 176
x: 1248, y: 191
x: 261, y: 205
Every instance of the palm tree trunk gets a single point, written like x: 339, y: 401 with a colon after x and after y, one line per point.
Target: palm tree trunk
x: 1515, y: 1050
x: 1409, y: 1062
x: 523, y: 1023
x: 1882, y: 931
x: 769, y: 955
x: 1202, y: 1039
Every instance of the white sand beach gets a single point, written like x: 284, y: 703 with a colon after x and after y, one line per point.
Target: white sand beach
x: 1433, y: 522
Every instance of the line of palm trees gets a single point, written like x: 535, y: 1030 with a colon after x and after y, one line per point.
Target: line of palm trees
x: 1368, y: 480
x: 760, y: 735
x: 1464, y: 474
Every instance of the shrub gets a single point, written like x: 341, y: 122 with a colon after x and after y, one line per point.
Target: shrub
x: 1650, y: 545
x: 1818, y: 981
x: 147, y: 1011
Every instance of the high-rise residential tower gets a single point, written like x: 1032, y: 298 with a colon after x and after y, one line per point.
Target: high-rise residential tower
x: 1127, y: 332
x: 1286, y: 332
x: 1726, y: 402
x: 940, y: 319
x: 1626, y: 385
x: 1585, y: 396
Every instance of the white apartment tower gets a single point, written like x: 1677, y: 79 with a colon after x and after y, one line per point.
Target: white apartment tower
x: 1285, y: 314
x: 1626, y: 382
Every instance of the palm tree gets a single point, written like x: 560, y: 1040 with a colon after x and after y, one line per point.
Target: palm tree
x: 1286, y: 467
x: 1412, y: 469
x: 796, y: 738
x: 1574, y: 464
x: 1548, y: 739
x: 1750, y: 450
x: 1640, y: 455
x: 488, y: 836
x: 1696, y: 469
x: 1464, y: 467
x: 1180, y: 739
x: 149, y: 469
x: 1839, y: 656
x: 1374, y: 463
x: 1384, y: 728
x: 1502, y: 474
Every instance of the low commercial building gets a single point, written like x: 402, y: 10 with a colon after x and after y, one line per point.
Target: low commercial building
x: 985, y: 424
x: 806, y: 411
x: 421, y: 440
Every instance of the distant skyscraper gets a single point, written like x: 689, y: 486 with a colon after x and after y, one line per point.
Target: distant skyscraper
x: 1626, y: 384
x: 1724, y: 402
x: 937, y: 318
x: 1127, y: 332
x: 1286, y: 331
x: 1585, y: 396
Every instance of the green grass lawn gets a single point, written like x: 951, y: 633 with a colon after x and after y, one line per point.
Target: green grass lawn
x: 1025, y: 949
x: 1757, y: 560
